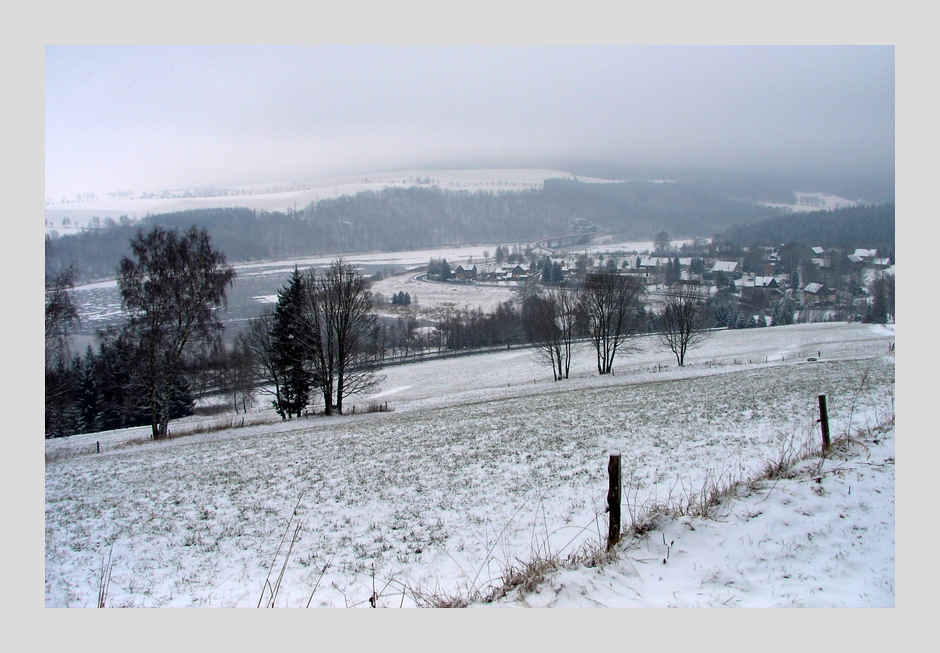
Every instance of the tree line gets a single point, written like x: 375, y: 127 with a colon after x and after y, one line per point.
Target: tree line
x: 322, y: 342
x: 846, y: 228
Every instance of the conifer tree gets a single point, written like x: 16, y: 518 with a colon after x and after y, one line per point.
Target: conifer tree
x: 289, y: 351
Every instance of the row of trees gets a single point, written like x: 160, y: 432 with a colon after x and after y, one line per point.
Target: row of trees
x: 322, y: 337
x: 607, y: 310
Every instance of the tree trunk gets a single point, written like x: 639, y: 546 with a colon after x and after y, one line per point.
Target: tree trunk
x: 327, y: 399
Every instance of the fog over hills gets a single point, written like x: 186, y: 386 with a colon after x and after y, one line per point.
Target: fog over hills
x: 144, y: 118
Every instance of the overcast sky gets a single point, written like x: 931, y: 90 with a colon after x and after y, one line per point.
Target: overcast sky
x: 152, y: 118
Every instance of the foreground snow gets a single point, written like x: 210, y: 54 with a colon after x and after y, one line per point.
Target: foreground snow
x: 485, y: 465
x: 823, y: 537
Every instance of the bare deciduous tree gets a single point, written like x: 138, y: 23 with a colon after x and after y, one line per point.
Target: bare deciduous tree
x: 610, y: 304
x: 169, y: 292
x: 340, y: 334
x: 61, y: 316
x: 550, y: 321
x: 685, y: 319
x: 240, y: 376
x: 256, y: 342
x: 662, y: 242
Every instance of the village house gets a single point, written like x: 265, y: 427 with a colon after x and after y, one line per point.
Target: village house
x: 465, y: 272
x: 816, y: 293
x: 751, y: 287
x: 865, y: 254
x: 820, y: 257
x: 728, y: 267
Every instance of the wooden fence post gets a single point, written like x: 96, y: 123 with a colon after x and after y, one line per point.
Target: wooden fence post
x: 824, y: 422
x: 613, y: 499
x: 98, y: 447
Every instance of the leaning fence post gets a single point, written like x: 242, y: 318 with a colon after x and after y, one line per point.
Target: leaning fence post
x: 98, y: 447
x: 824, y: 422
x: 613, y: 499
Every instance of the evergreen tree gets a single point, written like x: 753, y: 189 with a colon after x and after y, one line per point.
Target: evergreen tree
x: 547, y: 277
x: 673, y: 271
x: 720, y: 315
x: 289, y: 351
x: 88, y: 400
x: 878, y: 310
x: 446, y: 272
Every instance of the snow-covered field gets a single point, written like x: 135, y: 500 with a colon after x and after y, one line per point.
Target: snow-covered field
x: 430, y: 299
x: 486, y: 464
x: 806, y: 202
x: 284, y: 196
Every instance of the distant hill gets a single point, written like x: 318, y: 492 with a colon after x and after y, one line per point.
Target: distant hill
x: 857, y: 226
x: 420, y: 217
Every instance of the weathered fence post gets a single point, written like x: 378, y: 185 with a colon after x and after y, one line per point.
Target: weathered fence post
x: 824, y: 422
x: 97, y: 447
x: 613, y: 499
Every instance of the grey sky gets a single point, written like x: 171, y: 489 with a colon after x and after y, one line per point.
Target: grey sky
x: 151, y: 118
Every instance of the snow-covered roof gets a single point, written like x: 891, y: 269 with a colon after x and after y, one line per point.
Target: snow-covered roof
x: 866, y: 253
x: 813, y: 288
x: 725, y: 266
x: 758, y: 282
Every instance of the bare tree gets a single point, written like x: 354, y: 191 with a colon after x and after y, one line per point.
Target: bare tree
x: 169, y: 292
x: 685, y: 319
x: 550, y: 319
x: 662, y: 242
x: 611, y: 305
x: 341, y: 334
x: 61, y: 319
x: 256, y: 342
x: 241, y: 377
x: 61, y: 316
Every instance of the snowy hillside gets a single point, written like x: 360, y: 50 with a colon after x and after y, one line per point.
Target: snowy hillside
x: 286, y: 196
x: 484, y: 465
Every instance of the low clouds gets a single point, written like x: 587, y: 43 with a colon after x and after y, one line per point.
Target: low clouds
x: 149, y: 118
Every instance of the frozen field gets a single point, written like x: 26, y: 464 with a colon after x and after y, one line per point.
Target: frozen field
x: 484, y: 464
